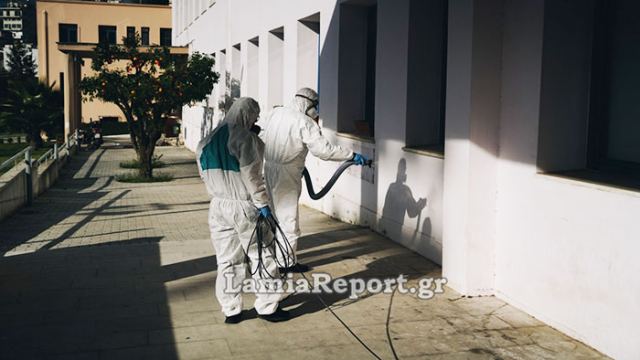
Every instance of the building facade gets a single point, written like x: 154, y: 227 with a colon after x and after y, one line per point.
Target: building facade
x: 503, y: 132
x: 11, y: 13
x: 68, y: 31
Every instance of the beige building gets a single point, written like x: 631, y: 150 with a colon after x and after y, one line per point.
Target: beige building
x: 68, y: 31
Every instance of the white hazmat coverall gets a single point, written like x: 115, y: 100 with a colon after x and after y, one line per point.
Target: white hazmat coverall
x: 290, y: 133
x: 230, y: 164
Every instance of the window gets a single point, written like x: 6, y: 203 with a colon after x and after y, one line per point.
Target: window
x: 165, y: 37
x: 357, y: 68
x: 68, y: 33
x: 588, y: 126
x: 107, y: 34
x: 131, y: 32
x: 427, y: 70
x: 614, y: 129
x: 144, y: 36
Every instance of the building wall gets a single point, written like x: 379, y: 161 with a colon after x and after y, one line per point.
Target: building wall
x: 562, y: 250
x: 11, y: 18
x: 566, y: 249
x: 88, y: 15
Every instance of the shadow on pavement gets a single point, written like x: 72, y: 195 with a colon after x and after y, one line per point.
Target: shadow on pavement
x: 93, y: 301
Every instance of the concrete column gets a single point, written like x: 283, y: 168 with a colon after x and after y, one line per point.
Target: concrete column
x: 471, y: 146
x: 263, y: 71
x: 72, y: 97
x: 252, y: 67
x: 244, y: 69
x: 290, y: 60
x: 329, y: 65
x: 307, y: 55
x: 275, y: 71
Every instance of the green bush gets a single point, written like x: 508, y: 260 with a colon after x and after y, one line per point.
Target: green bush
x: 135, y: 164
x: 136, y: 178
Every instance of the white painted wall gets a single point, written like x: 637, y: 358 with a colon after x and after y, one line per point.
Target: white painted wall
x: 566, y: 251
x: 307, y: 57
x: 561, y: 250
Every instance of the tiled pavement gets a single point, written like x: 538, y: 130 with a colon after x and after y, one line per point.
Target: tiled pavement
x: 97, y: 269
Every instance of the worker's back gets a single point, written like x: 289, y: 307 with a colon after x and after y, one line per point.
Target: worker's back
x: 282, y: 136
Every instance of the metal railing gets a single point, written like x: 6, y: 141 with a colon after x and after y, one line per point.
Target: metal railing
x: 35, y: 179
x: 16, y: 159
x: 25, y: 154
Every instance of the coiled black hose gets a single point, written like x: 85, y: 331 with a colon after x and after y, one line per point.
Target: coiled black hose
x: 319, y: 195
x: 264, y: 236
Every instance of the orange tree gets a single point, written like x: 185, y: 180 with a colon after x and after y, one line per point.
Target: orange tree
x: 148, y: 84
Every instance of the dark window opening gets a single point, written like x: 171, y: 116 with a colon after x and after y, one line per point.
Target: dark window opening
x: 68, y: 33
x: 370, y: 89
x: 165, y: 37
x: 588, y: 127
x: 107, y: 34
x: 131, y: 32
x: 144, y: 36
x: 357, y: 68
x: 427, y: 74
x: 614, y: 128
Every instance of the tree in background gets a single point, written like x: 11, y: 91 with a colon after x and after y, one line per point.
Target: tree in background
x: 27, y: 105
x: 20, y: 61
x: 152, y: 86
x: 31, y: 108
x: 4, y: 83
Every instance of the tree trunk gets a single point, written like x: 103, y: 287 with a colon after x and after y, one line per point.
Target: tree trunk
x: 34, y: 139
x: 145, y: 157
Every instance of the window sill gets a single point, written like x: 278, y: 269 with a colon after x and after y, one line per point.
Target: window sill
x: 599, y: 180
x: 435, y: 151
x: 360, y: 138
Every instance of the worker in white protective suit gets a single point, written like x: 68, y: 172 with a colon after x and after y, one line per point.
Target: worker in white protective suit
x: 290, y: 133
x: 230, y: 163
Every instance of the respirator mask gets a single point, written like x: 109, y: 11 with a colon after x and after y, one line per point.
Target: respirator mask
x: 311, y: 110
x: 255, y: 129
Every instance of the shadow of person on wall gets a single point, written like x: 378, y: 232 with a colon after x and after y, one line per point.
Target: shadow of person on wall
x: 398, y: 202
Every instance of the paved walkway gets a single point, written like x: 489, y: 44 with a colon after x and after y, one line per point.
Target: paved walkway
x: 97, y: 269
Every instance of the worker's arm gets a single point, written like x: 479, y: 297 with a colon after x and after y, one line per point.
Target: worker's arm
x: 320, y: 146
x: 251, y: 158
